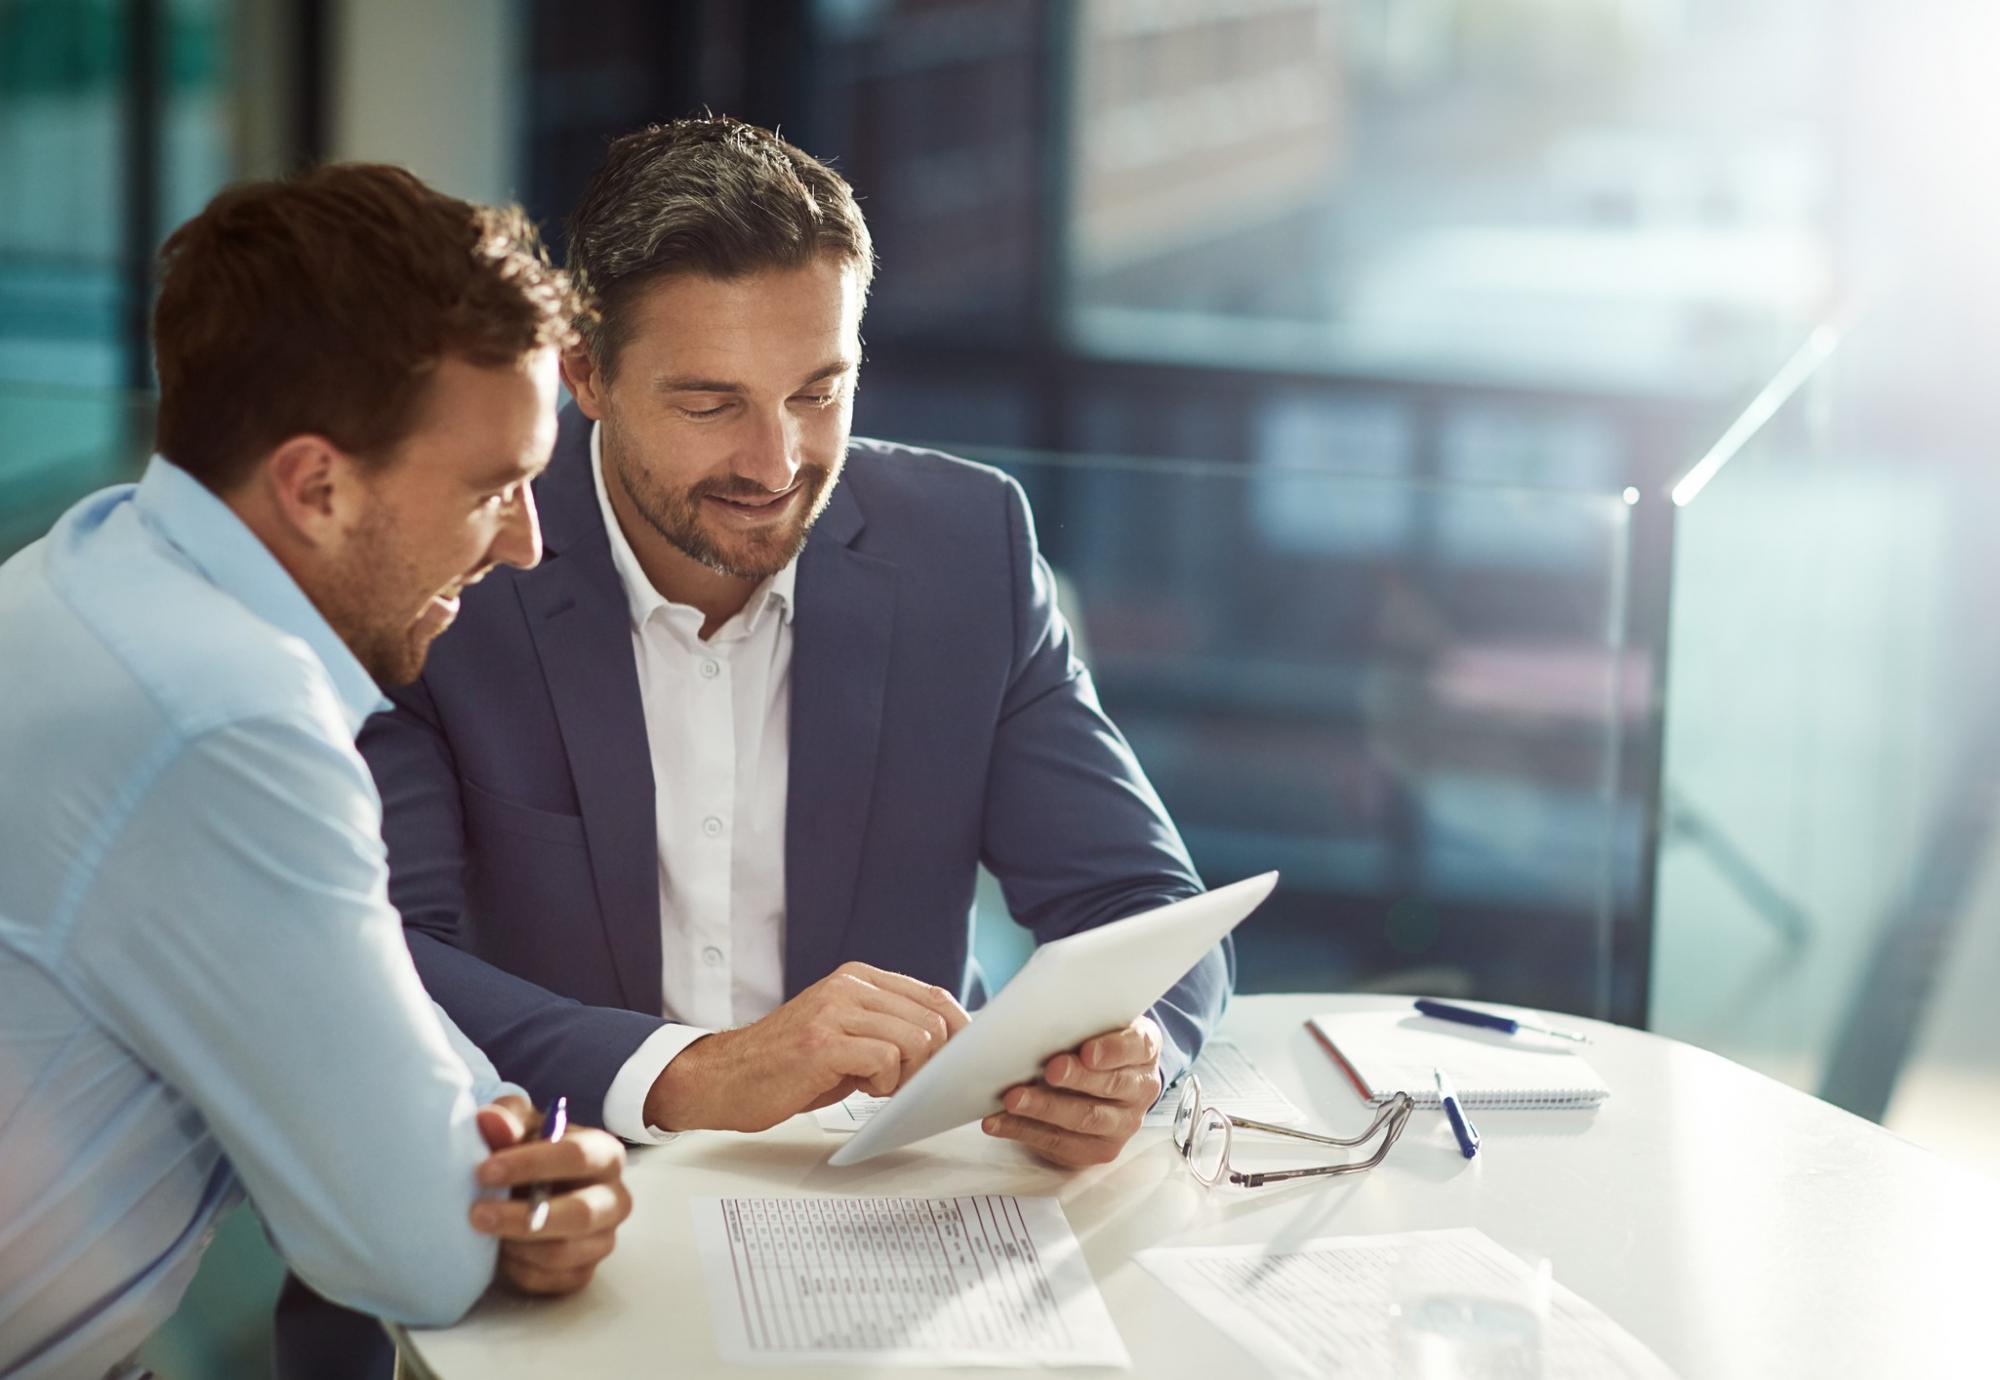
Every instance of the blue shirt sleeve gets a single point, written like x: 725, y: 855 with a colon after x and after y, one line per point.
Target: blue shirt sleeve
x: 239, y: 939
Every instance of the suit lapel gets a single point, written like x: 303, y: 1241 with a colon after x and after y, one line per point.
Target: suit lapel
x: 841, y: 639
x: 581, y: 625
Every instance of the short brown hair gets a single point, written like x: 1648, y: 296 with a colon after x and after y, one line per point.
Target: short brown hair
x: 323, y: 304
x: 710, y: 195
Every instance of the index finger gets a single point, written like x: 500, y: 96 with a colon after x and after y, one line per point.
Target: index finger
x: 1137, y: 1043
x: 924, y: 993
x: 581, y: 1156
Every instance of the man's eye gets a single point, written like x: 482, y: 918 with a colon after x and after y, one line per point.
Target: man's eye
x: 817, y: 399
x: 699, y: 412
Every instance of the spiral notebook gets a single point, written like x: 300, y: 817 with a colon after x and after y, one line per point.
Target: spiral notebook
x: 1385, y: 1052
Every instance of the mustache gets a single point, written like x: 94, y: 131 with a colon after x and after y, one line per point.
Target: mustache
x: 739, y: 489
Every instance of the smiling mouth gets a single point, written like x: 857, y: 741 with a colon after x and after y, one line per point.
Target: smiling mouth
x: 445, y: 602
x: 763, y: 501
x: 760, y: 511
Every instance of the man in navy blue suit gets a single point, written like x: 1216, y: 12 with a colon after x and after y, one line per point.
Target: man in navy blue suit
x: 684, y: 823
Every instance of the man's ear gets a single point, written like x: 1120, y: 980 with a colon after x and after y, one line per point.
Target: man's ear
x: 314, y: 489
x: 585, y: 383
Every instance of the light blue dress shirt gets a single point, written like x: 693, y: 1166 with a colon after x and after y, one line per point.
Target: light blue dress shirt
x: 203, y: 987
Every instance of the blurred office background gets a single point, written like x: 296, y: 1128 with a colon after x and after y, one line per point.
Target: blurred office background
x: 1521, y: 467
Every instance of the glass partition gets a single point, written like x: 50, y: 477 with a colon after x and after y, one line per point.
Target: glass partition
x: 1404, y: 695
x: 1826, y: 908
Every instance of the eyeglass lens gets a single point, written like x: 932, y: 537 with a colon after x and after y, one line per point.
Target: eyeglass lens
x: 1208, y: 1154
x: 1185, y: 1112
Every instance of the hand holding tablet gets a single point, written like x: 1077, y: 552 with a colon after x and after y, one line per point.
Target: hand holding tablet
x: 1089, y: 1101
x: 1069, y: 992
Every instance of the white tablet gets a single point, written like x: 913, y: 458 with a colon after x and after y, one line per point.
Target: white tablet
x: 1070, y: 990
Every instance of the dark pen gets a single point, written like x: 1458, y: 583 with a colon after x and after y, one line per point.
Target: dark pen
x: 553, y: 1126
x: 1461, y: 1124
x: 1509, y: 1025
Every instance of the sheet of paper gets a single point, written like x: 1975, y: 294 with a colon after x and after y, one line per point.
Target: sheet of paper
x: 988, y: 1281
x: 1322, y: 1308
x: 851, y: 1114
x: 1228, y: 1079
x: 1231, y: 1082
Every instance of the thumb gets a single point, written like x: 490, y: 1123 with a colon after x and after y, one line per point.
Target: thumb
x: 505, y: 1122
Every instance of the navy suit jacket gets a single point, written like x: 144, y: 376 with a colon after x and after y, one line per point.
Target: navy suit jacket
x: 939, y: 720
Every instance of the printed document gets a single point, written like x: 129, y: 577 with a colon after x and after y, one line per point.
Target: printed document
x: 1228, y: 1080
x: 1231, y: 1083
x: 1323, y: 1308
x: 993, y: 1280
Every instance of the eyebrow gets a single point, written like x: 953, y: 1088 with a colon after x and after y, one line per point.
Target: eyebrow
x: 687, y: 383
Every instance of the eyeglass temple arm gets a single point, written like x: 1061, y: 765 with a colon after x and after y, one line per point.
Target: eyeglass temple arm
x: 1389, y: 1109
x: 1278, y: 1176
x: 1396, y: 1112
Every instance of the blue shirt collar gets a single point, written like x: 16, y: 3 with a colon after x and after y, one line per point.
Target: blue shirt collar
x: 233, y: 559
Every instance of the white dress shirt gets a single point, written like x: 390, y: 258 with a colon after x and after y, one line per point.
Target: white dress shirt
x: 718, y: 728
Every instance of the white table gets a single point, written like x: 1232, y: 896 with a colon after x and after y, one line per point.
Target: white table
x: 1736, y: 1226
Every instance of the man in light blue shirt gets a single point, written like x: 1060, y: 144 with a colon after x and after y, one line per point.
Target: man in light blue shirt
x: 204, y: 991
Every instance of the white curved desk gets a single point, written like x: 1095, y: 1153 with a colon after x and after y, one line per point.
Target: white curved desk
x: 1736, y: 1226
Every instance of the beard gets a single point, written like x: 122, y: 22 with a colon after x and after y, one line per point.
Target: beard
x: 370, y: 600
x: 677, y: 514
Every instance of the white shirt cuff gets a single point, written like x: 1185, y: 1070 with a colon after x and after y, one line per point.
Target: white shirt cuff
x: 625, y: 1099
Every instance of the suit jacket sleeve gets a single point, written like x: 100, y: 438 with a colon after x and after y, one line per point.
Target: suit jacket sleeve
x: 550, y: 1045
x: 1075, y: 833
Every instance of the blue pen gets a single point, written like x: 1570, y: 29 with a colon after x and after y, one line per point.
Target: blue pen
x: 1508, y: 1025
x: 553, y: 1126
x: 1461, y: 1124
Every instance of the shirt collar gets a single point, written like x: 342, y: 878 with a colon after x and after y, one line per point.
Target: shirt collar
x: 233, y: 559
x: 640, y: 595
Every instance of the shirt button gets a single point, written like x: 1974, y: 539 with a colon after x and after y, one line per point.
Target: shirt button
x: 709, y: 669
x: 712, y: 956
x: 711, y: 826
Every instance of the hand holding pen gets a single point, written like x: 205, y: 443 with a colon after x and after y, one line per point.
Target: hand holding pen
x: 552, y: 1240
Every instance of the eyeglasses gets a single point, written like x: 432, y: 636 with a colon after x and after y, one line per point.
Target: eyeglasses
x: 1202, y: 1135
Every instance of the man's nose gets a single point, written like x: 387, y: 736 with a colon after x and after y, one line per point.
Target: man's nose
x: 772, y: 457
x: 519, y: 541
